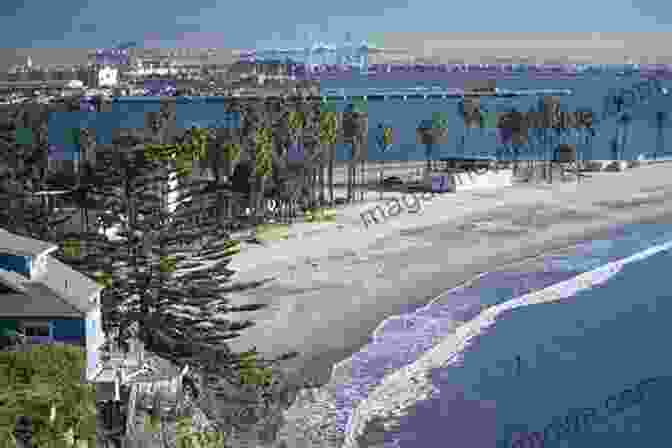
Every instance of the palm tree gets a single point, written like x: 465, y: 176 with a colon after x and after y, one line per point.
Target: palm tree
x: 539, y: 133
x: 513, y: 127
x: 549, y: 107
x: 328, y: 137
x: 225, y: 153
x: 296, y: 121
x: 589, y: 133
x: 287, y: 156
x: 263, y: 166
x: 623, y: 129
x: 384, y: 141
x: 471, y: 114
x: 364, y: 152
x: 316, y: 160
x: 354, y: 130
x: 303, y: 124
x: 613, y: 146
x: 263, y: 150
x: 236, y: 136
x: 565, y: 124
x: 251, y: 122
x: 431, y: 133
x: 426, y: 137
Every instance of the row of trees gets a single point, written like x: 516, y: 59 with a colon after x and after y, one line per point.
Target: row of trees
x: 534, y: 135
x: 285, y: 150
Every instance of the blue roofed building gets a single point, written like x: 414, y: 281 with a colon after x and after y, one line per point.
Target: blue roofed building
x: 46, y: 300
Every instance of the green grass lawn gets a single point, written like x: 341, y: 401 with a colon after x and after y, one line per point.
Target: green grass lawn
x: 271, y: 232
x: 321, y: 215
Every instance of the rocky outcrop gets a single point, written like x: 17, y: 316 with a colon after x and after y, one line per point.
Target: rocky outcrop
x: 284, y: 415
x: 311, y: 421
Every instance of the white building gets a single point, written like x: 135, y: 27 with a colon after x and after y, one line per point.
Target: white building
x: 74, y: 84
x: 108, y: 77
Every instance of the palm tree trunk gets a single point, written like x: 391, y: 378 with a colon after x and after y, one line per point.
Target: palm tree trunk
x: 223, y: 204
x: 659, y: 142
x: 323, y: 169
x: 626, y: 137
x: 549, y: 151
x: 351, y: 174
x: 312, y: 186
x: 259, y: 204
x: 252, y: 199
x: 380, y: 195
x: 331, y: 180
x: 550, y: 165
x: 316, y: 184
x: 347, y: 180
x: 351, y: 180
x: 618, y: 140
x: 364, y: 183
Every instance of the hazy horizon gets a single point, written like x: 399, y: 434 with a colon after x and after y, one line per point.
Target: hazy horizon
x: 444, y: 47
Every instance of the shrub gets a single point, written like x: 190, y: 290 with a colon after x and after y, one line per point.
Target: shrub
x: 45, y: 382
x: 320, y: 215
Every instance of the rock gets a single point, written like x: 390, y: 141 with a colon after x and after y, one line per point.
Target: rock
x: 253, y: 417
x: 595, y: 165
x: 311, y: 421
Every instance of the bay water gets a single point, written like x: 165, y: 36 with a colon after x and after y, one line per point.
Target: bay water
x: 589, y: 91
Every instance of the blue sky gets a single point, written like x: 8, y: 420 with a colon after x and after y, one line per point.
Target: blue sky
x: 96, y: 23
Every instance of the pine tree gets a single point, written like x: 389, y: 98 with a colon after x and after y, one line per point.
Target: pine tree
x: 168, y: 287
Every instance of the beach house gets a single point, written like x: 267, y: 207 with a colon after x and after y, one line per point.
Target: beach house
x: 46, y: 300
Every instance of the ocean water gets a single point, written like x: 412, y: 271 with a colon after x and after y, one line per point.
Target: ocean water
x: 401, y: 340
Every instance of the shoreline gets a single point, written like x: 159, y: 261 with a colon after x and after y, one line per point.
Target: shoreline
x: 531, y: 254
x: 320, y: 400
x: 323, y: 367
x: 327, y: 302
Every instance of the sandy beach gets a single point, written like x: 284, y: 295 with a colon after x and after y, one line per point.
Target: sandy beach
x: 335, y: 285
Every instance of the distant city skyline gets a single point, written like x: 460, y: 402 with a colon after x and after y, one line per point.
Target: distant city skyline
x: 247, y: 25
x: 437, y: 47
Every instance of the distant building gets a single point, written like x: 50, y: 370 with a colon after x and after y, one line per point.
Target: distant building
x: 74, y: 84
x: 108, y: 77
x: 13, y: 86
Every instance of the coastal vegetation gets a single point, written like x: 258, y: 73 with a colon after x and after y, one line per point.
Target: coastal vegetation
x: 44, y: 382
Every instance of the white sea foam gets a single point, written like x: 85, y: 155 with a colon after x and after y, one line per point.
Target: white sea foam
x: 455, y: 343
